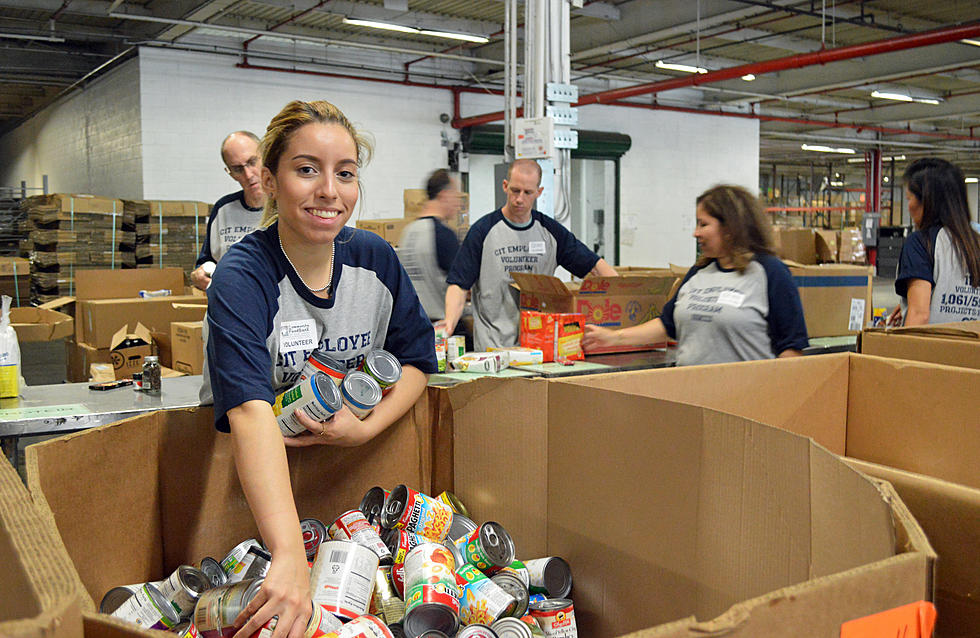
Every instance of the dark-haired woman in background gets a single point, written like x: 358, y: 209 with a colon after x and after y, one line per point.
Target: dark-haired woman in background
x: 737, y: 303
x: 939, y: 269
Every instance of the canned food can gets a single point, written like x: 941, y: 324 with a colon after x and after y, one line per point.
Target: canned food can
x: 148, y: 608
x: 487, y: 547
x: 440, y: 342
x: 373, y: 504
x: 384, y: 367
x: 416, y: 512
x: 236, y: 555
x: 433, y: 633
x: 386, y: 604
x: 556, y: 617
x: 366, y: 626
x: 400, y: 543
x: 453, y: 501
x: 514, y: 628
x: 116, y: 597
x: 314, y: 533
x: 457, y: 555
x: 536, y: 598
x: 353, y: 526
x: 531, y: 622
x: 183, y: 587
x: 514, y: 586
x: 321, y: 623
x: 318, y: 361
x: 253, y: 565
x: 213, y: 570
x: 397, y: 630
x: 461, y: 527
x: 185, y: 629
x: 317, y: 396
x: 398, y: 578
x: 343, y: 578
x: 476, y: 631
x: 550, y: 576
x: 455, y: 348
x: 361, y: 393
x: 481, y: 600
x: 519, y: 569
x: 431, y: 594
x: 217, y: 608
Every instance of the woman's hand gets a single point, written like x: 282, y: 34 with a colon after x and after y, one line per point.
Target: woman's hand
x: 599, y: 337
x: 895, y: 318
x: 285, y: 593
x: 344, y: 430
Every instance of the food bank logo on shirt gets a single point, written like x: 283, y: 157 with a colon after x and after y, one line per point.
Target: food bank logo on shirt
x: 519, y: 257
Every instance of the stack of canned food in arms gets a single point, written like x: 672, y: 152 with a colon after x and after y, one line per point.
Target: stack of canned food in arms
x: 402, y: 565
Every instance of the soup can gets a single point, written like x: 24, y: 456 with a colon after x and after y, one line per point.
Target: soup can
x: 489, y: 546
x: 550, y: 576
x: 314, y: 533
x: 317, y: 396
x: 148, y: 608
x: 453, y: 501
x: 431, y: 594
x: 373, y: 504
x: 400, y: 543
x: 366, y: 626
x: 320, y: 624
x: 476, y: 631
x: 218, y: 607
x: 384, y: 367
x: 318, y: 361
x: 416, y: 512
x: 520, y: 570
x: 253, y: 565
x: 461, y: 527
x: 183, y: 587
x: 213, y: 570
x: 230, y: 562
x: 481, y: 600
x: 115, y: 597
x: 361, y: 393
x: 386, y: 604
x: 514, y: 586
x: 516, y: 628
x: 343, y: 577
x: 353, y: 526
x: 556, y: 617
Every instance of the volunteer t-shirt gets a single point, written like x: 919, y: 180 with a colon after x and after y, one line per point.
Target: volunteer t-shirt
x: 931, y: 256
x: 495, y: 247
x: 262, y: 322
x: 427, y: 248
x: 720, y: 315
x: 231, y: 219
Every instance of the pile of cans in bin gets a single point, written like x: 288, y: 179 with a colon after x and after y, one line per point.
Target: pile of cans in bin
x: 403, y: 564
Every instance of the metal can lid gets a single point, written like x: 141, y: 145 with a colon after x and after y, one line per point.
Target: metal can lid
x: 453, y: 501
x: 551, y: 604
x: 167, y: 611
x: 394, y: 506
x: 383, y: 366
x: 193, y: 580
x: 327, y: 392
x: 512, y: 628
x: 461, y: 526
x: 372, y: 504
x: 213, y: 571
x: 361, y: 389
x: 328, y: 362
x: 430, y: 617
x: 314, y: 533
x: 513, y: 585
x: 433, y: 633
x: 558, y: 578
x: 476, y: 631
x: 396, y: 629
x: 115, y: 597
x: 497, y: 543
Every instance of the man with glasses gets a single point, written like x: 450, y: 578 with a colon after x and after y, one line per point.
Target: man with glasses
x: 235, y: 215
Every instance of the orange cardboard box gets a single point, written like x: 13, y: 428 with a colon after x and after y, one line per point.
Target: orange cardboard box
x: 557, y: 334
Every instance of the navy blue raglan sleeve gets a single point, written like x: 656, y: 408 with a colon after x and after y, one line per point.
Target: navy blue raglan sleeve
x: 206, y: 255
x: 573, y: 255
x: 446, y: 246
x: 667, y: 314
x: 787, y: 327
x: 915, y: 262
x: 242, y: 303
x: 466, y: 266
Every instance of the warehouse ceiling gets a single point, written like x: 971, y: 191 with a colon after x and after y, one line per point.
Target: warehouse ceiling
x: 50, y: 47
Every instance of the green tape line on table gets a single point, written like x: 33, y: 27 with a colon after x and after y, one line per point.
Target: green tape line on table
x: 829, y: 342
x: 469, y: 376
x: 46, y: 412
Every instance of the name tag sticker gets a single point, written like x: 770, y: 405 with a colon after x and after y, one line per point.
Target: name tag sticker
x: 535, y: 247
x: 297, y: 335
x: 731, y: 298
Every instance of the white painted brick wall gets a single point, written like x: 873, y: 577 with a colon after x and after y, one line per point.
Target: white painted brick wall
x: 88, y: 142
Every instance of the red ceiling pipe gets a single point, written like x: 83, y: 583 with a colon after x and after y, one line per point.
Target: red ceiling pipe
x: 890, y: 45
x: 291, y: 18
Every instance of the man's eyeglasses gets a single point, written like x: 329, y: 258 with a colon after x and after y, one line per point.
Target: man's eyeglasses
x: 237, y: 170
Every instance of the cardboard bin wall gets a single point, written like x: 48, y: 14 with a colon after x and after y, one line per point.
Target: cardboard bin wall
x: 956, y: 344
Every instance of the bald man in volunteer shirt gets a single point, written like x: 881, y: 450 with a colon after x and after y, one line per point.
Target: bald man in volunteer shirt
x: 235, y: 215
x: 515, y: 238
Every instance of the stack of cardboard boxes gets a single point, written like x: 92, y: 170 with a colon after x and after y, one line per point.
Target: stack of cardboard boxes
x: 176, y: 231
x: 414, y: 199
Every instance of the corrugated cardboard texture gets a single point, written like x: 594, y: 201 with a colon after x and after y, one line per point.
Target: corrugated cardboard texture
x: 940, y: 349
x: 950, y: 516
x: 96, y: 321
x: 100, y: 626
x: 756, y: 390
x: 111, y: 284
x: 827, y: 292
x: 40, y: 324
x: 134, y: 500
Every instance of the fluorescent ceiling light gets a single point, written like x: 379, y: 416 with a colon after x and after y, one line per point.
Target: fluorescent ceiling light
x: 686, y: 68
x: 838, y: 184
x: 479, y: 39
x: 971, y: 180
x: 43, y: 38
x: 894, y: 158
x: 975, y: 43
x: 380, y: 25
x: 827, y: 149
x: 748, y: 78
x: 903, y: 97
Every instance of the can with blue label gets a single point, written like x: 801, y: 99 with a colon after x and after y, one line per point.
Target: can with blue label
x: 361, y: 393
x: 317, y: 396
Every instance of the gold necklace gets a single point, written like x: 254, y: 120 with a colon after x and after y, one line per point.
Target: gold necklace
x: 296, y: 270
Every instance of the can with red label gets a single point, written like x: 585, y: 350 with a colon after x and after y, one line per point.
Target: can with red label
x: 217, y: 608
x: 453, y: 501
x: 314, y: 533
x: 550, y: 576
x: 384, y: 367
x: 556, y: 617
x: 400, y: 543
x: 386, y: 604
x: 431, y: 594
x: 318, y: 361
x: 516, y: 628
x: 416, y: 512
x: 373, y: 504
x: 353, y: 526
x: 342, y: 578
x: 461, y: 526
x: 148, y: 608
x: 185, y: 629
x: 476, y: 631
x: 481, y: 600
x: 489, y: 546
x: 320, y: 624
x: 366, y: 626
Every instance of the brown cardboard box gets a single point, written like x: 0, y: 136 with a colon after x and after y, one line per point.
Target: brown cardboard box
x: 40, y: 324
x: 616, y: 302
x: 703, y: 539
x: 826, y: 246
x: 956, y: 344
x: 388, y: 229
x: 97, y: 320
x: 915, y: 417
x: 83, y: 203
x: 126, y: 283
x: 127, y: 359
x: 42, y: 593
x: 796, y: 244
x: 80, y: 357
x: 836, y: 297
x: 187, y: 346
x: 850, y: 247
x: 415, y: 199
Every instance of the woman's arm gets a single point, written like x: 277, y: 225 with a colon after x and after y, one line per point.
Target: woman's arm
x: 919, y: 300
x: 652, y: 331
x: 260, y: 458
x: 789, y: 353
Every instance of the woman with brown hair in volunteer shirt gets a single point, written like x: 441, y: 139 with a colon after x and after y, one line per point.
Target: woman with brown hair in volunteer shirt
x: 327, y: 287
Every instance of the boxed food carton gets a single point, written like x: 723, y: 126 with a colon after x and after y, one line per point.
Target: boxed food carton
x: 558, y: 335
x: 187, y: 346
x: 128, y: 348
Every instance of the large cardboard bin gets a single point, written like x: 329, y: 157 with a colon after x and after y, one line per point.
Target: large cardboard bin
x: 956, y: 344
x: 898, y: 417
x: 836, y: 298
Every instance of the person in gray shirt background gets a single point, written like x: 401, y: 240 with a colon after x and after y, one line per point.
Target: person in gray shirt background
x: 738, y: 302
